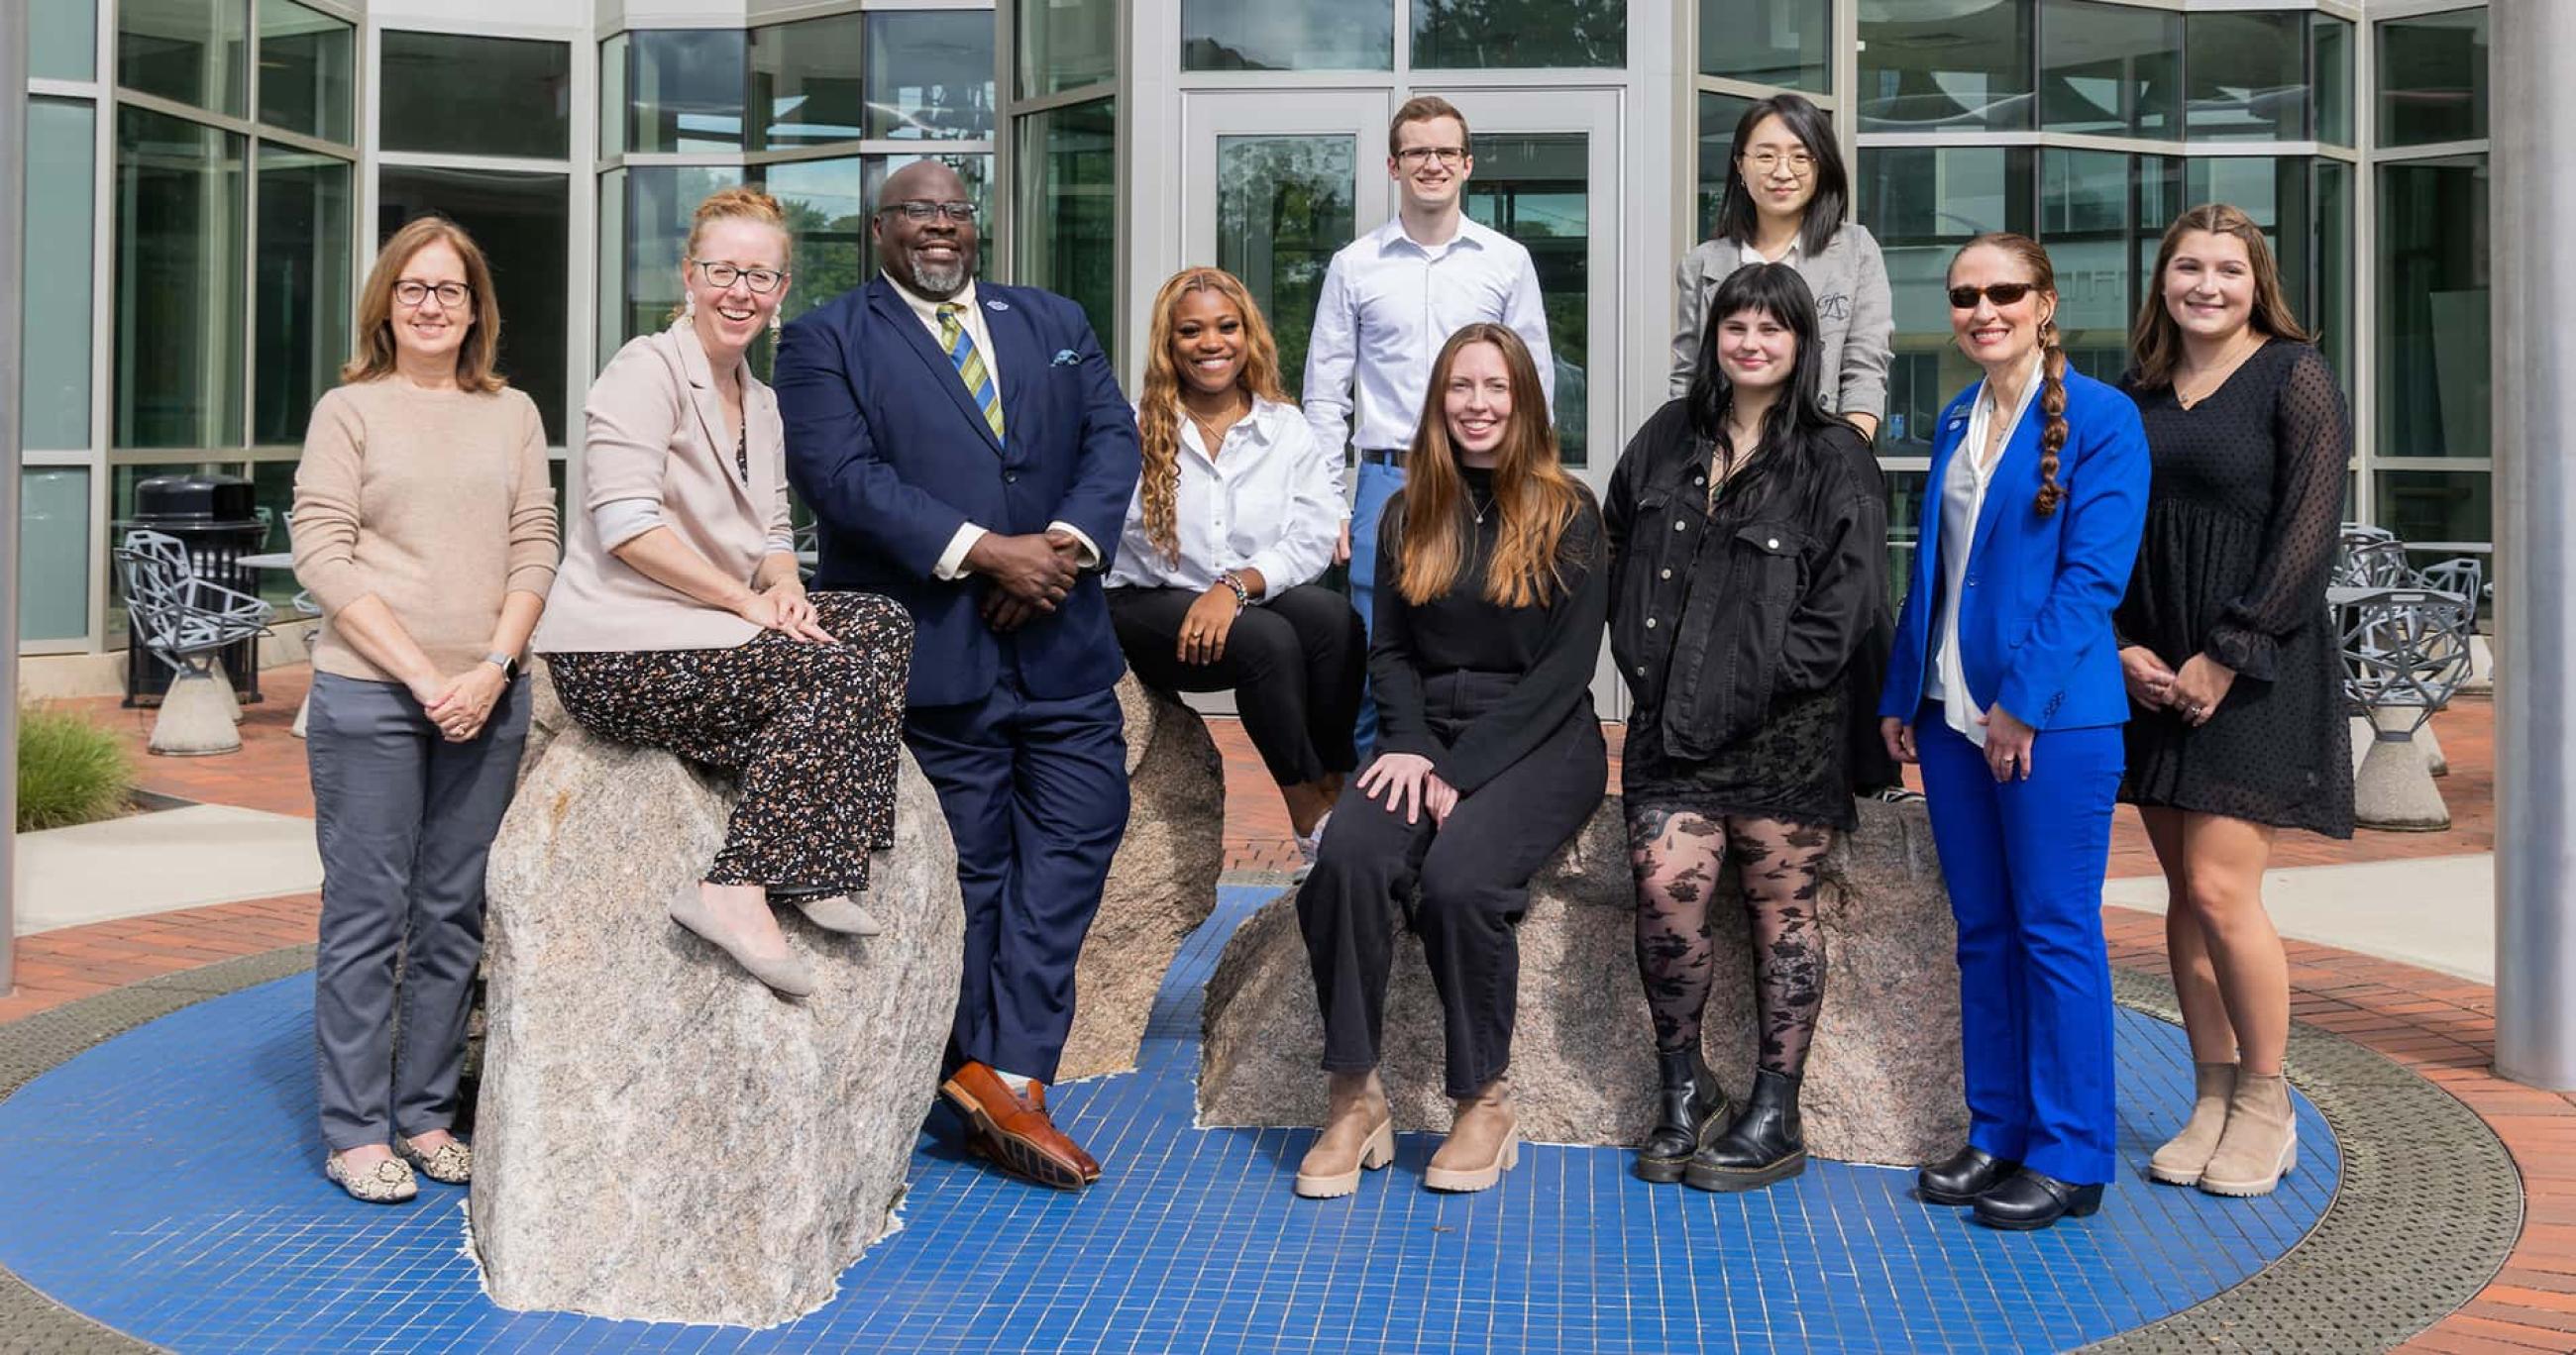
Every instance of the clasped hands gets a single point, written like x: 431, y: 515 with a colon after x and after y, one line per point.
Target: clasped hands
x: 784, y: 607
x: 1407, y: 779
x: 1030, y: 574
x: 2194, y: 692
x: 460, y: 704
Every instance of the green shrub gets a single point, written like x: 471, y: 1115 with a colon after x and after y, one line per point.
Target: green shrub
x: 69, y: 770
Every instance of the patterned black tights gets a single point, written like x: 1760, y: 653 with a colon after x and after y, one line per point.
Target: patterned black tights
x: 1676, y: 857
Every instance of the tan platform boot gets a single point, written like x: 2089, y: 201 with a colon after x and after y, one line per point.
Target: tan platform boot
x: 1484, y: 1142
x: 2181, y: 1160
x: 1359, y: 1135
x: 2261, y: 1143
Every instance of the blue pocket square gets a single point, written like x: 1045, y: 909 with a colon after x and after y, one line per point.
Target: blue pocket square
x: 1065, y: 357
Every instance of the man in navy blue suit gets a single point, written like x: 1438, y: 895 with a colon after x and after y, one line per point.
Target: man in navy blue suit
x: 967, y: 452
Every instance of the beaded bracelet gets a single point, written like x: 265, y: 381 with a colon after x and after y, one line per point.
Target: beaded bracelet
x: 1242, y: 595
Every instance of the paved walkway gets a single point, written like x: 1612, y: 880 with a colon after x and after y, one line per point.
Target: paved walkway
x: 2441, y: 1025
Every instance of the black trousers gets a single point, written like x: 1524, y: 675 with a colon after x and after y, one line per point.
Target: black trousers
x: 1295, y: 664
x: 1474, y: 875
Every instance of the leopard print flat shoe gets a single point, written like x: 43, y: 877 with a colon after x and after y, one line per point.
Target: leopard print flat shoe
x: 451, y: 1162
x: 387, y: 1182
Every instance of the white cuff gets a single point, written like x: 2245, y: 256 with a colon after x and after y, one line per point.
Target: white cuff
x: 1090, y: 551
x: 952, y: 561
x: 619, y: 521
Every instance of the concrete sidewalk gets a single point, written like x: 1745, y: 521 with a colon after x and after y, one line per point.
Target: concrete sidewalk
x: 161, y: 862
x: 2437, y: 912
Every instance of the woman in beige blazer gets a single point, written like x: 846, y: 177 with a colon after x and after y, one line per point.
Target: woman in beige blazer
x: 678, y: 619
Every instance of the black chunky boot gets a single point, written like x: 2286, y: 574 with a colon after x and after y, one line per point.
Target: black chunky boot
x: 1690, y: 1099
x: 1766, y: 1143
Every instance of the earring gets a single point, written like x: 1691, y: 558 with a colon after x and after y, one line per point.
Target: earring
x: 689, y: 308
x: 775, y: 324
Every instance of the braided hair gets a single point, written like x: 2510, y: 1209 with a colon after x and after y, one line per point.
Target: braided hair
x: 2042, y: 276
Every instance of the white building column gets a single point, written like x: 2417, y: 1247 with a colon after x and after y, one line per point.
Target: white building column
x: 13, y: 183
x: 2532, y: 98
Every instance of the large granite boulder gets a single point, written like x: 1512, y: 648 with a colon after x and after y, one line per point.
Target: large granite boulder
x: 660, y: 1137
x: 1162, y: 883
x: 1883, y: 1079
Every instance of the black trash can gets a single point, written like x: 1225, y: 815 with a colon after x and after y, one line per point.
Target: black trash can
x: 214, y: 517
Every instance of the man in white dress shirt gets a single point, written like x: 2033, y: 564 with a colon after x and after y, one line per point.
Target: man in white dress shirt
x: 1390, y: 299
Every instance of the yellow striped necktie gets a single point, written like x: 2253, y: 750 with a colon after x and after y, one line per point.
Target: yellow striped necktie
x: 970, y: 365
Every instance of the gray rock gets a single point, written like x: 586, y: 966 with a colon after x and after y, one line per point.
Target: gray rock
x: 1883, y: 1080
x: 661, y: 1138
x: 1162, y: 883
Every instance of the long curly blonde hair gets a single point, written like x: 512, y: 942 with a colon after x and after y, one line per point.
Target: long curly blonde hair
x: 1158, y: 409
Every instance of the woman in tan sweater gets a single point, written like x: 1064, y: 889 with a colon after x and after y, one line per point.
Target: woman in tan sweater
x: 680, y: 620
x: 425, y: 526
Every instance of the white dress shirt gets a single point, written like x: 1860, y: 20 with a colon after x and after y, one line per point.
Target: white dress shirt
x: 1265, y: 501
x: 952, y: 561
x: 1389, y: 302
x: 1963, y: 498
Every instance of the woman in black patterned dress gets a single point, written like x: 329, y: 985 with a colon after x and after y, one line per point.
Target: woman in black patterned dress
x: 2232, y: 664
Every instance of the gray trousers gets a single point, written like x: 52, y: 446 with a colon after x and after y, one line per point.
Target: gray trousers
x: 405, y: 821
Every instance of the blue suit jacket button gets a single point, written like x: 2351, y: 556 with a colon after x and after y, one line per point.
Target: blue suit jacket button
x: 1010, y: 477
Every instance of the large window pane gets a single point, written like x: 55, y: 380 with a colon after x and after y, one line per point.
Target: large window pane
x: 1263, y: 35
x: 2432, y: 302
x: 2330, y: 50
x: 2275, y: 192
x: 194, y: 51
x: 300, y: 303
x: 2424, y: 507
x: 1536, y: 188
x: 1964, y: 64
x: 685, y: 90
x: 53, y: 553
x: 1769, y: 42
x: 1495, y: 34
x: 523, y: 224
x: 930, y: 75
x: 1066, y: 44
x: 1923, y: 204
x: 805, y: 82
x: 54, y: 322
x: 1284, y: 204
x: 1718, y: 114
x: 178, y: 271
x: 2248, y: 76
x: 62, y: 40
x: 2433, y: 78
x: 610, y: 299
x: 2112, y: 70
x: 306, y: 62
x: 272, y: 491
x: 1068, y: 233
x: 520, y: 95
x: 612, y: 96
x: 2331, y: 314
x: 826, y: 202
x: 660, y: 202
x: 1904, y: 529
x: 2088, y: 218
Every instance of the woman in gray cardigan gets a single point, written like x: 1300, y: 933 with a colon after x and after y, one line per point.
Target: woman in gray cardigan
x: 1785, y: 193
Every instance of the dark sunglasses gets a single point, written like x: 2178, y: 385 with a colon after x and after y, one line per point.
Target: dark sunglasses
x: 2001, y: 293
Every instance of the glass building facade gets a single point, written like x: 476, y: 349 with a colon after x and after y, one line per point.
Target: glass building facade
x: 207, y: 180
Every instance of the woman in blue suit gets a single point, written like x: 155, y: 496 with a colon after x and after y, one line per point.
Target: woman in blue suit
x: 2005, y: 685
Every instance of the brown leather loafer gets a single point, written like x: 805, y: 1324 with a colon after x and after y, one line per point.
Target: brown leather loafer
x: 1036, y: 1100
x: 1015, y: 1134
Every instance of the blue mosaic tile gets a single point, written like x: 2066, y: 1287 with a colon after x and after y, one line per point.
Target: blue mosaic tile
x: 1193, y: 1242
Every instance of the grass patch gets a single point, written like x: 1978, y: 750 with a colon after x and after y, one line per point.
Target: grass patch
x: 69, y: 770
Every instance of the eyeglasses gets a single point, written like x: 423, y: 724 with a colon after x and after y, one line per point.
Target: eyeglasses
x: 1450, y: 157
x: 923, y: 209
x: 2001, y: 293
x: 761, y: 281
x: 412, y: 292
x: 1798, y: 163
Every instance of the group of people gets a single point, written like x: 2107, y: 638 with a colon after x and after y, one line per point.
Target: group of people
x: 2118, y: 594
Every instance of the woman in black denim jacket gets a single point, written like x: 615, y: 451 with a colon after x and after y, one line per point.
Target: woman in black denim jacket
x: 1747, y: 529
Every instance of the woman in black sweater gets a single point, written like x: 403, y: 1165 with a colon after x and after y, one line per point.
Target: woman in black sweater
x: 1746, y: 526
x: 1493, y: 588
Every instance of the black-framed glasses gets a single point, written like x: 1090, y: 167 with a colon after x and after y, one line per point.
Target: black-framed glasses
x: 2001, y: 293
x: 923, y: 209
x: 761, y: 281
x: 413, y: 292
x: 1765, y: 162
x: 1449, y: 156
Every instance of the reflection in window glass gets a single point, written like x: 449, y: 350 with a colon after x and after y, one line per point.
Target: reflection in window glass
x: 2331, y: 318
x: 521, y: 104
x: 2426, y: 507
x: 2112, y: 70
x: 1904, y: 529
x: 62, y: 40
x: 189, y: 50
x: 2432, y: 78
x: 1537, y: 190
x: 1769, y: 42
x: 826, y: 202
x: 53, y: 553
x: 930, y: 75
x: 1068, y: 236
x: 1066, y: 44
x: 2088, y: 218
x: 805, y: 82
x: 307, y: 62
x: 1263, y: 35
x: 1964, y: 64
x: 523, y: 224
x: 1923, y: 203
x: 59, y: 267
x: 2432, y: 306
x: 178, y: 283
x: 2330, y: 51
x: 660, y: 202
x: 685, y: 90
x: 1499, y: 34
x: 300, y: 298
x: 1718, y: 114
x: 612, y: 96
x: 1284, y: 204
x: 272, y: 488
x: 2248, y: 76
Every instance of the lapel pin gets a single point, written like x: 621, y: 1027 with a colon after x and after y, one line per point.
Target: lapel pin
x: 997, y: 305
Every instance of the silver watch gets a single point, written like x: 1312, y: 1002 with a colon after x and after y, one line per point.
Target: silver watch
x: 507, y: 663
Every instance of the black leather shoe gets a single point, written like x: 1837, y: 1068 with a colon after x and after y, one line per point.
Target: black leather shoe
x: 1965, y: 1175
x: 1766, y: 1143
x: 2032, y: 1201
x: 1690, y: 1101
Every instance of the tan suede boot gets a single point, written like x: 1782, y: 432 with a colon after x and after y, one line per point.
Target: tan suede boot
x: 1359, y: 1135
x: 2180, y: 1161
x: 2261, y: 1142
x: 1484, y: 1142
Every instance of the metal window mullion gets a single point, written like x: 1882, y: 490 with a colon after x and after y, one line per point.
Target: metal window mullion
x: 1064, y: 98
x: 102, y: 339
x: 503, y: 164
x: 186, y: 112
x: 1005, y: 139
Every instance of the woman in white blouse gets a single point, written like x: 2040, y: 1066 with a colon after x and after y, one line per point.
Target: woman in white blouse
x: 1233, y: 520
